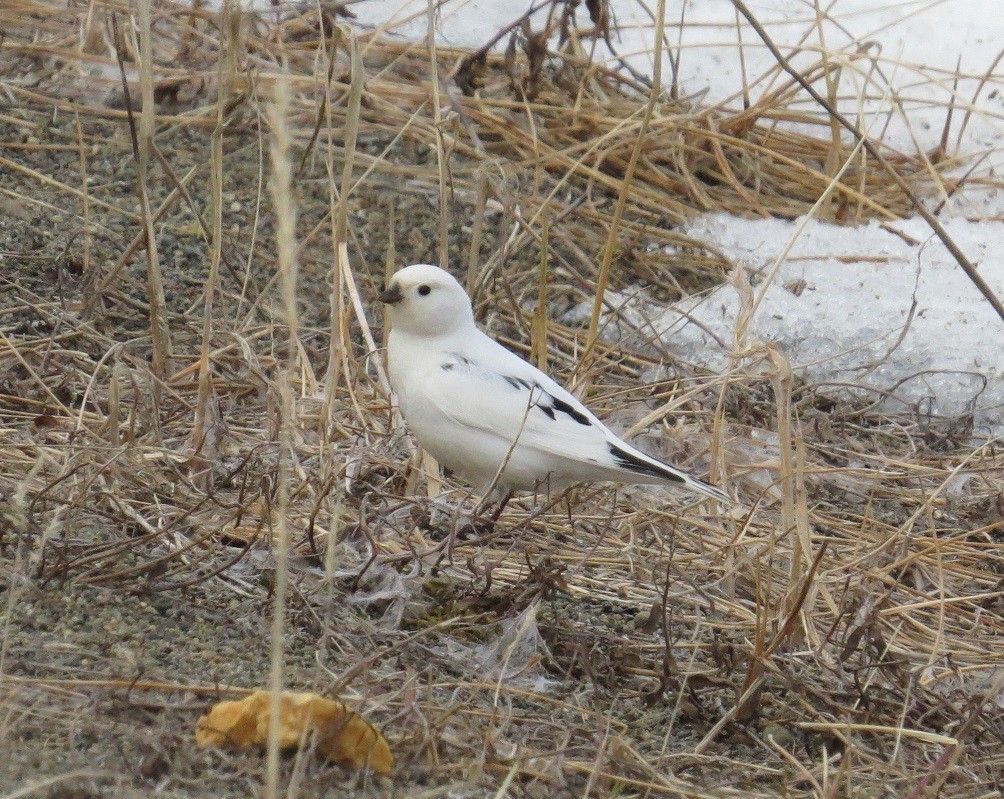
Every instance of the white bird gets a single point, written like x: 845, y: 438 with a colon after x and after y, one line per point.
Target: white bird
x: 487, y: 414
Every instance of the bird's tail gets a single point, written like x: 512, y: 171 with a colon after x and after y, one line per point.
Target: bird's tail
x: 706, y: 489
x: 638, y: 463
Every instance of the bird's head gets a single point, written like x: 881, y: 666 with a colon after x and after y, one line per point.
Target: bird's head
x: 425, y: 300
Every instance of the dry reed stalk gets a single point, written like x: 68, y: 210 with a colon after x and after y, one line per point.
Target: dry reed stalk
x: 159, y: 327
x: 803, y: 534
x: 389, y: 265
x: 831, y: 79
x: 285, y: 213
x: 538, y: 328
x: 603, y: 277
x: 794, y: 530
x: 477, y: 233
x: 338, y: 350
x: 148, y: 111
x: 227, y: 67
x: 438, y: 123
x: 108, y: 280
x: 90, y: 296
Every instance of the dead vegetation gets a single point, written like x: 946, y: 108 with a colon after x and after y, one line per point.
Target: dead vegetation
x: 184, y: 417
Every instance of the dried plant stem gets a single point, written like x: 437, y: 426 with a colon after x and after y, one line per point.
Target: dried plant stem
x: 351, y: 134
x: 360, y: 312
x: 782, y: 380
x: 803, y: 536
x: 159, y: 327
x: 831, y: 76
x: 437, y: 116
x: 105, y: 282
x: 338, y: 351
x: 538, y: 329
x: 285, y: 214
x: 389, y: 264
x: 813, y: 213
x: 477, y: 233
x: 90, y: 278
x: 625, y: 188
x: 225, y: 74
x: 148, y: 112
x: 759, y: 658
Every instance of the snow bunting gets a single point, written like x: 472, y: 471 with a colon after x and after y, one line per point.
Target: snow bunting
x: 487, y: 414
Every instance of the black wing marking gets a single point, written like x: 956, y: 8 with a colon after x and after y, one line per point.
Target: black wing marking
x: 447, y: 366
x: 633, y: 463
x: 564, y: 407
x: 518, y: 382
x: 548, y: 403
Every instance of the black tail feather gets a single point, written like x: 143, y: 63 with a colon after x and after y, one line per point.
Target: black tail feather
x: 631, y: 462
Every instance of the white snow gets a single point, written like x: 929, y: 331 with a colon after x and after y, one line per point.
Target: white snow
x: 869, y: 313
x: 917, y: 45
x: 852, y: 322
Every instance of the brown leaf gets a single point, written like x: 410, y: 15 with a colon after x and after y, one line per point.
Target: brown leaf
x: 342, y: 735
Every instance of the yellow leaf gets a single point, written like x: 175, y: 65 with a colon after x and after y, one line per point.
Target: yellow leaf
x: 342, y: 735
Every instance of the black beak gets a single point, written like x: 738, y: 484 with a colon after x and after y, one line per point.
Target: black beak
x: 391, y: 295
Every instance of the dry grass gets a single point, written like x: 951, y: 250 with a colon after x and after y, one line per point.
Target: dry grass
x: 839, y: 633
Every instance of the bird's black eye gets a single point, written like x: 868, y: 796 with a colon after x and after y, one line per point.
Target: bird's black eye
x: 424, y: 290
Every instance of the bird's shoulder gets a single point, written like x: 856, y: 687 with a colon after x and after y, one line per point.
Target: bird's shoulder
x: 483, y: 353
x: 496, y: 366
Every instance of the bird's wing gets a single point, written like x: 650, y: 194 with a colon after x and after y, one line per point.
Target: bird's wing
x: 486, y: 387
x: 506, y: 397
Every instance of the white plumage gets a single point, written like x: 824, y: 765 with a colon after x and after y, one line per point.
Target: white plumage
x: 474, y: 405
